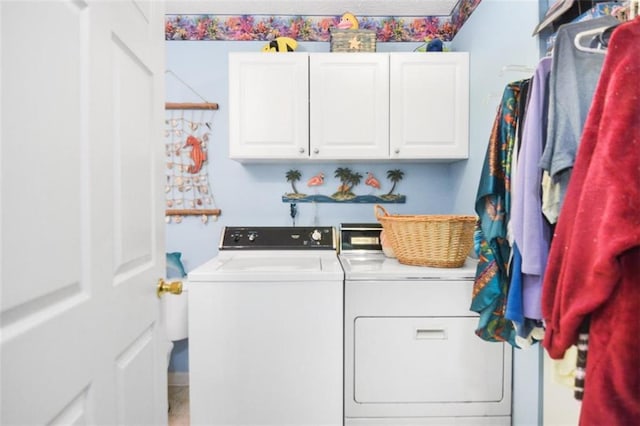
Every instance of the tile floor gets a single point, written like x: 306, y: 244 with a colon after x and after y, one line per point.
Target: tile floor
x: 179, y: 406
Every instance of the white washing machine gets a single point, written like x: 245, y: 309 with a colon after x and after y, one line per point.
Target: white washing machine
x: 266, y: 329
x: 411, y: 354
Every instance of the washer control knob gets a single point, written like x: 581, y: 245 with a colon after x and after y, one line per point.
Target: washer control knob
x: 316, y: 235
x: 253, y: 236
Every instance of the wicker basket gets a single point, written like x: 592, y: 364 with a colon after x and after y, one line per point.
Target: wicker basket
x: 353, y: 40
x: 442, y: 241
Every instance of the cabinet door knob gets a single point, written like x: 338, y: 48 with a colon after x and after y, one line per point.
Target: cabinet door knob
x: 397, y: 151
x: 316, y: 151
x: 301, y: 150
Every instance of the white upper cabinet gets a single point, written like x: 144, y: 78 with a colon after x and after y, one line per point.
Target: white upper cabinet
x: 349, y: 105
x: 429, y: 108
x: 268, y: 106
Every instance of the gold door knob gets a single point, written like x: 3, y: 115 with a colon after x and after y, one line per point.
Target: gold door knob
x: 174, y: 287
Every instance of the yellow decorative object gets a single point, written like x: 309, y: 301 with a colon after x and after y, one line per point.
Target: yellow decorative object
x: 348, y: 21
x: 281, y: 44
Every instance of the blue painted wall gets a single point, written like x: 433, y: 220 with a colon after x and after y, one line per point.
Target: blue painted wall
x: 497, y: 34
x: 250, y: 194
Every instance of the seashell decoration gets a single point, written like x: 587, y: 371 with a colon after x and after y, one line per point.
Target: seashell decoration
x: 187, y: 189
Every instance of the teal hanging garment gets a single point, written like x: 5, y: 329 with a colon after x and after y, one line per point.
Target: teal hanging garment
x: 493, y: 200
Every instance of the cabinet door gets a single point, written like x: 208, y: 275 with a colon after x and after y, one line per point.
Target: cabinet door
x: 349, y: 105
x: 429, y: 100
x: 268, y: 106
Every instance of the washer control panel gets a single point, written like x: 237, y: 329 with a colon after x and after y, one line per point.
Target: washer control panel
x: 278, y: 238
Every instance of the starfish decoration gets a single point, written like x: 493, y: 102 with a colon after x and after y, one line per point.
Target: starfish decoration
x: 354, y: 43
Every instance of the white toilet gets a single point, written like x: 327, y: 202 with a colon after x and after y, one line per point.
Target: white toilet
x: 174, y: 316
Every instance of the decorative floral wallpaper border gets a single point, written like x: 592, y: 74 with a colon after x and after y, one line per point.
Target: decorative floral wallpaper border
x: 313, y: 28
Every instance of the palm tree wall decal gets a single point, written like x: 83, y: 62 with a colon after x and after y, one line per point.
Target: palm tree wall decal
x: 394, y: 176
x: 294, y: 176
x: 343, y: 173
x: 354, y: 179
x: 348, y: 181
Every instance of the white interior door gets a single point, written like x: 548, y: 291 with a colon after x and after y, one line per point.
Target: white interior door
x: 82, y: 230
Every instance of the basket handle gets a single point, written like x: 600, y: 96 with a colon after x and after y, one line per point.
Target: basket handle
x: 376, y: 210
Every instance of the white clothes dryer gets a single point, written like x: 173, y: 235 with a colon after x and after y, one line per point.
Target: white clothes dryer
x: 266, y: 329
x: 411, y: 354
